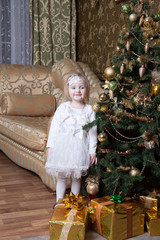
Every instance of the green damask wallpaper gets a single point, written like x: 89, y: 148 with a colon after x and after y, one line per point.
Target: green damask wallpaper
x: 98, y: 26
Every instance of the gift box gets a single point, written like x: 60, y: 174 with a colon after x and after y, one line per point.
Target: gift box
x: 116, y: 220
x: 153, y: 223
x: 69, y: 219
x: 150, y: 203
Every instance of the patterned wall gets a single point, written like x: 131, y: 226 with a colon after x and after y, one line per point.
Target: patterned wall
x: 99, y: 24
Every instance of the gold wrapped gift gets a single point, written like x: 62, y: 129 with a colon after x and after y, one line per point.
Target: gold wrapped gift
x: 153, y: 223
x: 150, y: 203
x: 69, y: 219
x: 116, y: 220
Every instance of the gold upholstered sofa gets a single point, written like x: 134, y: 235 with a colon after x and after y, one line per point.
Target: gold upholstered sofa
x: 29, y: 95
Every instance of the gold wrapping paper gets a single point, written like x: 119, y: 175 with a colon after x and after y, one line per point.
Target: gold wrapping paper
x: 153, y: 223
x: 150, y: 203
x: 68, y: 224
x: 118, y: 221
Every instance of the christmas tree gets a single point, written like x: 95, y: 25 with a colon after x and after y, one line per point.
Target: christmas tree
x: 128, y: 110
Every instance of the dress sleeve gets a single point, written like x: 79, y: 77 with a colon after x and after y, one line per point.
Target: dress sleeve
x: 92, y: 135
x: 55, y: 126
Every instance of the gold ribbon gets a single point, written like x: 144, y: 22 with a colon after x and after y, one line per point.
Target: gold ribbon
x: 73, y: 205
x: 74, y: 201
x: 129, y: 215
x: 67, y: 225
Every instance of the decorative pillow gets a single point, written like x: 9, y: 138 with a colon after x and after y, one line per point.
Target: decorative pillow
x: 27, y: 105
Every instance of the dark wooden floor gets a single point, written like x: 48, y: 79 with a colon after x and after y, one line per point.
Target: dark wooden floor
x: 25, y: 202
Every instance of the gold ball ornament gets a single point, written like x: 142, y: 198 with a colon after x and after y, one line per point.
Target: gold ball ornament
x: 109, y: 72
x: 148, y: 22
x: 118, y: 50
x: 104, y: 108
x: 133, y: 17
x: 92, y: 188
x: 155, y: 90
x: 102, y: 97
x: 134, y: 172
x: 102, y: 137
x: 158, y: 108
x: 96, y: 107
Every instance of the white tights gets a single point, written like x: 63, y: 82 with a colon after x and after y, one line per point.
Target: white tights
x: 62, y: 183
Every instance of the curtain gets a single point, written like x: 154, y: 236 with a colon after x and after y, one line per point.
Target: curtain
x: 15, y: 27
x: 53, y: 30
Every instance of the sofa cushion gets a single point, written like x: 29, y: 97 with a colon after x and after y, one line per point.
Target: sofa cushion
x: 31, y: 132
x: 27, y: 105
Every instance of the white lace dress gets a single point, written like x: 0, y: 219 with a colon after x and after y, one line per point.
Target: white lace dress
x: 69, y: 144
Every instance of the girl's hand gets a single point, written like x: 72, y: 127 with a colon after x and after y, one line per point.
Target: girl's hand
x: 93, y: 159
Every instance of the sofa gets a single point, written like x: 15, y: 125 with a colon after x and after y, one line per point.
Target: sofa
x: 29, y: 96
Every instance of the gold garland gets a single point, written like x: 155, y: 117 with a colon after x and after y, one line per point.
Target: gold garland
x: 111, y: 150
x: 112, y: 118
x: 135, y: 90
x: 131, y: 115
x: 143, y: 119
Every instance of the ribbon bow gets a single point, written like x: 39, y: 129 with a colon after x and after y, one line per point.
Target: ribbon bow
x: 117, y: 198
x: 73, y: 201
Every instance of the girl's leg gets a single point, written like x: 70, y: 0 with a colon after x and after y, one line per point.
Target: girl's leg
x: 75, y: 185
x: 61, y: 186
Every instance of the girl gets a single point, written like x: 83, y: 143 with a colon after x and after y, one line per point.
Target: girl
x: 71, y: 150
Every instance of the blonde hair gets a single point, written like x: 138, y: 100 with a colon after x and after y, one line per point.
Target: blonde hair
x: 86, y: 83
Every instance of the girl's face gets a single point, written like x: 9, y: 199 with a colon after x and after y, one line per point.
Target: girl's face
x: 77, y: 91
